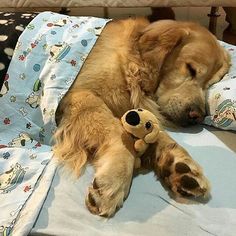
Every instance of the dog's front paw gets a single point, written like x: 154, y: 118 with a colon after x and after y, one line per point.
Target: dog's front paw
x: 104, y: 198
x: 181, y: 173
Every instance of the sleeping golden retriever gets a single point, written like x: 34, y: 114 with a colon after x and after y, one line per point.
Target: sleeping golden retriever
x: 164, y: 67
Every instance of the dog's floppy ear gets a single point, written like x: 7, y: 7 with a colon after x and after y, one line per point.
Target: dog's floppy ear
x: 158, y: 39
x: 222, y: 69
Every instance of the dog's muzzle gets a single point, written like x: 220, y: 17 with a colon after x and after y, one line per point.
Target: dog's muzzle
x: 132, y: 118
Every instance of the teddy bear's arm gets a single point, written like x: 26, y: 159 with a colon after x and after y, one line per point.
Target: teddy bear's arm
x: 140, y: 146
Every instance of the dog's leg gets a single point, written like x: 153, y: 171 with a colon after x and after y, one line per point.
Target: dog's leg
x: 87, y: 124
x: 176, y: 168
x: 114, y: 171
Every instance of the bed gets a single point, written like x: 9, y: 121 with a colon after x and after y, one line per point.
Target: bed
x: 115, y: 3
x: 149, y: 210
x: 228, y: 5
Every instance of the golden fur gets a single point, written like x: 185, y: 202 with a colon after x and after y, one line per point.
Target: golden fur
x: 164, y: 67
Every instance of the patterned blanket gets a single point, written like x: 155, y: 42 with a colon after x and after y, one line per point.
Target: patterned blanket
x: 221, y: 97
x: 46, y: 60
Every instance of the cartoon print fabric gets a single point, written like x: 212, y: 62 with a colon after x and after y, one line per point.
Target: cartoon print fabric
x: 46, y: 60
x: 221, y: 98
x: 12, y: 25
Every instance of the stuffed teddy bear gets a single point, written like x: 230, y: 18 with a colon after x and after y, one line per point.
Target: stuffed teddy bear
x: 144, y: 126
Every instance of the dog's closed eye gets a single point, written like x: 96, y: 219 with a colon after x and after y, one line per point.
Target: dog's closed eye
x: 192, y: 71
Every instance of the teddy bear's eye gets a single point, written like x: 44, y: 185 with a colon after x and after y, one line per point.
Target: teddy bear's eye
x: 148, y: 125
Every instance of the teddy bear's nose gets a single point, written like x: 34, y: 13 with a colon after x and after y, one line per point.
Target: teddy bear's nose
x: 132, y: 118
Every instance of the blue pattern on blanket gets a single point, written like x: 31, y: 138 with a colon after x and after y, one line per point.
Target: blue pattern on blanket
x: 47, y: 58
x: 221, y: 98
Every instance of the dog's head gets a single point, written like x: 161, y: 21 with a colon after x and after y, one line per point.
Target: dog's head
x: 185, y: 60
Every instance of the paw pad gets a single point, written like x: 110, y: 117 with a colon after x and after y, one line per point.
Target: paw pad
x: 188, y: 182
x: 182, y: 168
x: 91, y: 200
x: 182, y: 174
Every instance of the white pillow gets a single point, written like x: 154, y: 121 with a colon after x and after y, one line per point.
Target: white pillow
x: 221, y: 97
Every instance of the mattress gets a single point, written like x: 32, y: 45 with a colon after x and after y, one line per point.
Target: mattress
x: 114, y: 3
x: 149, y: 210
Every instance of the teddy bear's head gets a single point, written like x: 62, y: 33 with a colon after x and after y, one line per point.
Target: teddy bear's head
x: 141, y: 123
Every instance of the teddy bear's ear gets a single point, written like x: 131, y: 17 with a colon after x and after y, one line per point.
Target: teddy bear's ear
x: 152, y: 137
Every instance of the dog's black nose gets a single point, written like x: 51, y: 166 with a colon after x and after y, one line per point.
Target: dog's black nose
x: 194, y: 115
x: 132, y: 118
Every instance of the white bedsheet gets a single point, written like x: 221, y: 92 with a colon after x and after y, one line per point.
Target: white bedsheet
x: 149, y: 210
